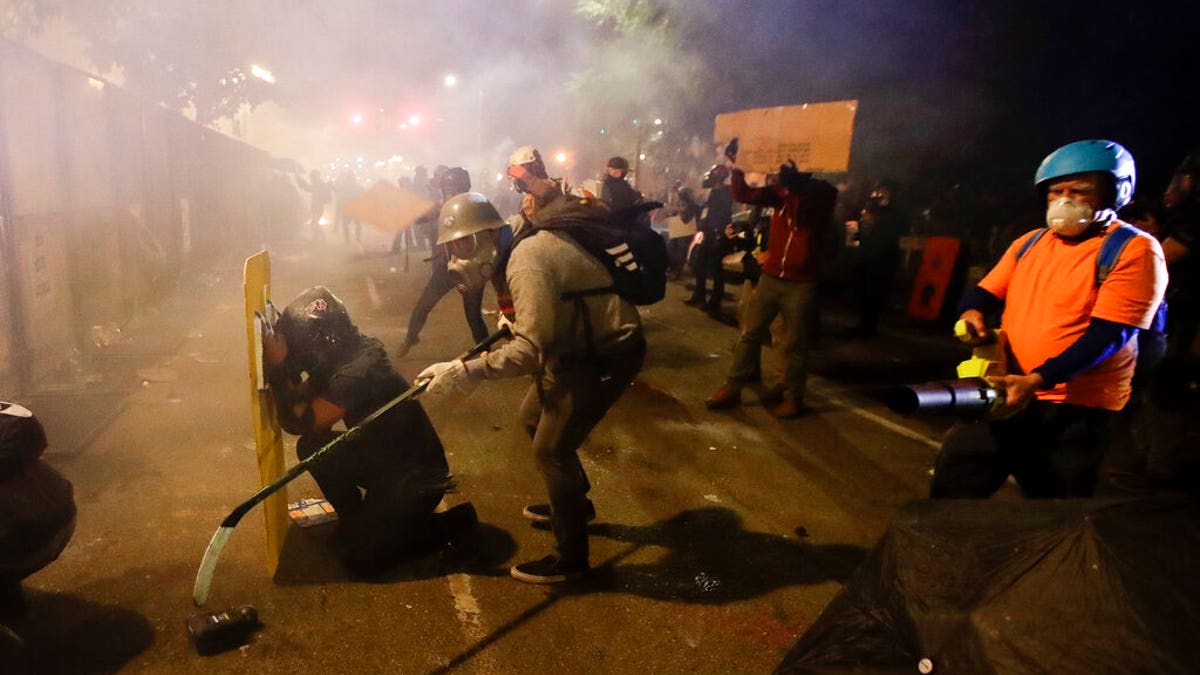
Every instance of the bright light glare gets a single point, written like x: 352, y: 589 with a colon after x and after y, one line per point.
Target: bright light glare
x: 98, y: 85
x: 499, y: 177
x: 450, y: 80
x: 642, y: 156
x: 396, y: 159
x: 414, y: 120
x: 262, y: 73
x: 561, y: 158
x: 356, y: 118
x: 657, y: 121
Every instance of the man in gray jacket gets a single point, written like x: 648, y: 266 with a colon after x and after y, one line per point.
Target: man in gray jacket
x: 582, y: 349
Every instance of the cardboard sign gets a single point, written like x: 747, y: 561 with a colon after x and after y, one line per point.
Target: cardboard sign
x: 815, y: 135
x: 676, y: 228
x: 387, y: 207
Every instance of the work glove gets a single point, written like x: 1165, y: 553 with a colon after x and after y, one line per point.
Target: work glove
x: 503, y: 322
x: 445, y: 378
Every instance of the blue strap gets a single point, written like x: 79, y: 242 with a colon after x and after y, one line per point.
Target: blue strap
x: 1110, y: 250
x: 1115, y: 241
x: 1030, y: 242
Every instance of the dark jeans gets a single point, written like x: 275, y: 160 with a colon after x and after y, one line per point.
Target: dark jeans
x: 1052, y: 450
x: 391, y: 516
x: 677, y: 254
x: 575, y: 396
x: 708, y: 266
x: 871, y: 292
x: 440, y: 283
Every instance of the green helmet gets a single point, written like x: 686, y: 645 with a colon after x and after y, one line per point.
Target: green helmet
x: 465, y: 214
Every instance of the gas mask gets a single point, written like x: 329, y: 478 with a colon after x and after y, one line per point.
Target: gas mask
x: 473, y: 258
x: 1069, y: 218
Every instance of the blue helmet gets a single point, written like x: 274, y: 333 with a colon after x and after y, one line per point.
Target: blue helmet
x: 1084, y: 156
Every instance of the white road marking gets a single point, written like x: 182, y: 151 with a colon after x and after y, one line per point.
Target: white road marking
x: 825, y: 391
x: 469, y: 614
x: 877, y: 419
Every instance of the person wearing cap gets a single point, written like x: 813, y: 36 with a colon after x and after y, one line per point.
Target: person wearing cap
x: 1071, y: 333
x: 616, y: 190
x: 384, y: 483
x: 582, y: 348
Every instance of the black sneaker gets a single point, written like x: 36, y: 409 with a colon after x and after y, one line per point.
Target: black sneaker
x: 464, y: 545
x: 549, y: 570
x: 540, y: 513
x: 459, y: 518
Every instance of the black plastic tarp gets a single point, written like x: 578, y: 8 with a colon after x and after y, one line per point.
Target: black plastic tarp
x: 990, y: 586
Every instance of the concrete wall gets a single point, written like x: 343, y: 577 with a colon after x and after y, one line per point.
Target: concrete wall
x: 104, y: 199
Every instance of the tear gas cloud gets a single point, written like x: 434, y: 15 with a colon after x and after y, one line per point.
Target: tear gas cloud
x: 939, y: 82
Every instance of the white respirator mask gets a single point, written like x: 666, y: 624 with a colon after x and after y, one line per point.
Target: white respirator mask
x: 1069, y: 218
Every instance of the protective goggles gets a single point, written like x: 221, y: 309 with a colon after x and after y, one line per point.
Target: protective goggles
x: 463, y: 248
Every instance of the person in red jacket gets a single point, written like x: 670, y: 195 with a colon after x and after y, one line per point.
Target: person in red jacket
x: 791, y: 264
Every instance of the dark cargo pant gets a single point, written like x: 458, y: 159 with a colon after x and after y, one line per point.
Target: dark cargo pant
x: 573, y: 400
x: 1051, y: 449
x: 385, y: 511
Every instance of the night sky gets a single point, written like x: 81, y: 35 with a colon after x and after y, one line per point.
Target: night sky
x: 983, y: 90
x: 950, y: 90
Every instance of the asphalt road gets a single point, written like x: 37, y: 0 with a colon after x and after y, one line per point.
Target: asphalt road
x: 720, y: 536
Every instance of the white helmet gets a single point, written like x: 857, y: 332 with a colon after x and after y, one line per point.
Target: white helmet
x: 527, y: 156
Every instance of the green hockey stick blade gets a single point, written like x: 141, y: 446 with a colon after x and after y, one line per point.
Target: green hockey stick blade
x: 208, y: 565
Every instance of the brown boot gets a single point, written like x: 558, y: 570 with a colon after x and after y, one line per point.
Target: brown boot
x: 788, y: 408
x: 724, y: 398
x: 770, y: 396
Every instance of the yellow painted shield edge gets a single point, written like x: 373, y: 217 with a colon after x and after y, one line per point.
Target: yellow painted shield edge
x: 268, y: 438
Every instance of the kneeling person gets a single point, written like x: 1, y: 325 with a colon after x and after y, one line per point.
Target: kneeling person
x: 386, y: 484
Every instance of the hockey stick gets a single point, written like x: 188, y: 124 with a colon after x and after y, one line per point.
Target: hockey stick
x: 208, y: 564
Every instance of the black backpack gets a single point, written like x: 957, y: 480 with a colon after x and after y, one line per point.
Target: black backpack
x: 632, y: 252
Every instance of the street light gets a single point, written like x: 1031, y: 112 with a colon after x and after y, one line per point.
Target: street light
x: 450, y: 81
x: 262, y: 73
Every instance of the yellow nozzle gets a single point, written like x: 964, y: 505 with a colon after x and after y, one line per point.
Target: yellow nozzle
x: 960, y: 330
